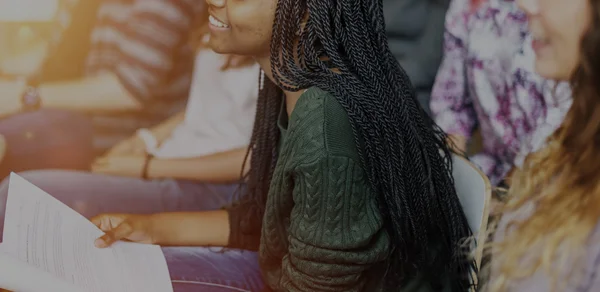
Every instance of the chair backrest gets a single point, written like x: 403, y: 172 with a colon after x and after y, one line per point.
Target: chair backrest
x: 474, y: 192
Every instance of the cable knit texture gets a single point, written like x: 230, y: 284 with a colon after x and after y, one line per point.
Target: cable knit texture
x: 322, y: 230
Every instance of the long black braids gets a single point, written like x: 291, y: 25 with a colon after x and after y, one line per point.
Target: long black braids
x: 340, y: 46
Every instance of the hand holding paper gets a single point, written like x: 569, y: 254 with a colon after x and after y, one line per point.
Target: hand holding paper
x: 54, y: 245
x: 134, y: 228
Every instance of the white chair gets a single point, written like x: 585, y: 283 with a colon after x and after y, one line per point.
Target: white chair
x: 474, y: 192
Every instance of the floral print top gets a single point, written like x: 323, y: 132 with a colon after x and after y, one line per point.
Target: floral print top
x: 487, y: 81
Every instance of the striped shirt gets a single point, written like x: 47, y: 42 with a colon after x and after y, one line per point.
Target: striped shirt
x: 145, y: 44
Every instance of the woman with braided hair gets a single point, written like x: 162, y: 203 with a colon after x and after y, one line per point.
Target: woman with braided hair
x: 348, y: 182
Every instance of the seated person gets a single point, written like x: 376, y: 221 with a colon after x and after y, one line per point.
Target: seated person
x: 549, y: 236
x: 486, y: 81
x: 349, y: 185
x: 137, y: 74
x: 197, y: 159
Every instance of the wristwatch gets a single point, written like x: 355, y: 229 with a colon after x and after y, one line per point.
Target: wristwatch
x: 30, y: 100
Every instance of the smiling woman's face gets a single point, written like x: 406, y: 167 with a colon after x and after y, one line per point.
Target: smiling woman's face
x: 241, y: 27
x: 557, y: 27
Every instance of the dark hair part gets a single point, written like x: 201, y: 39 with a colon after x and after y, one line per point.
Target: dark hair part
x: 405, y: 155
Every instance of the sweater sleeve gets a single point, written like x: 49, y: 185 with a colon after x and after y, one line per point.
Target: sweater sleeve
x: 336, y: 230
x: 245, y: 223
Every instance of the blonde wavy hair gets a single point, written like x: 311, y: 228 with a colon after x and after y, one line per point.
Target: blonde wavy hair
x: 562, y: 184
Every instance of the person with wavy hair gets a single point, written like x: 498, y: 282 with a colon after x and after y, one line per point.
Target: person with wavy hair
x: 548, y: 239
x: 486, y: 84
x: 349, y: 184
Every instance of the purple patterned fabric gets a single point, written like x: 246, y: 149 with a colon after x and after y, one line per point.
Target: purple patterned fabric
x: 487, y: 81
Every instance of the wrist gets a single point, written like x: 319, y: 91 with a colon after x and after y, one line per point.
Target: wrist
x: 151, y: 172
x: 154, y: 229
x: 162, y: 230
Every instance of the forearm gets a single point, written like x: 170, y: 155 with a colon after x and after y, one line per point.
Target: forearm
x: 101, y: 93
x: 224, y: 167
x: 191, y: 229
x: 165, y: 128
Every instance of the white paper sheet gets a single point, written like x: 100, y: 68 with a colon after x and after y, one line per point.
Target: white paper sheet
x: 50, y: 236
x: 16, y: 275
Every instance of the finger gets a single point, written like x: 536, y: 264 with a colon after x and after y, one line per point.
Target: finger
x: 121, y: 232
x: 102, y: 167
x: 102, y: 160
x: 106, y: 222
x: 234, y: 61
x: 227, y: 64
x: 99, y: 169
x: 102, y: 222
x: 103, y: 157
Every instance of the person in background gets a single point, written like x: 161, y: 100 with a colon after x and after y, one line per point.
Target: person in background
x: 190, y: 162
x: 137, y: 73
x: 49, y: 137
x: 549, y: 236
x: 415, y: 35
x: 486, y: 81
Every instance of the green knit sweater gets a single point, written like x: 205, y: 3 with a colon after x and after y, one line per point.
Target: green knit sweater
x: 322, y: 229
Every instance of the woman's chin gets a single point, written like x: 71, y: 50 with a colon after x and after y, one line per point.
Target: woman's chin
x: 218, y: 46
x: 551, y: 69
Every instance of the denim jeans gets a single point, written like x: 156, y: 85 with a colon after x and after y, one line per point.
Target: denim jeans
x: 46, y: 139
x: 204, y: 269
x: 191, y: 268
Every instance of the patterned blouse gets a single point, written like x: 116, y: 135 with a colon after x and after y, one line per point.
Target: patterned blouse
x: 487, y: 81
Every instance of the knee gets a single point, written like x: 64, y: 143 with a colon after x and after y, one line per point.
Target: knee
x: 4, y: 188
x: 48, y: 129
x: 43, y: 179
x: 3, y: 193
x: 3, y: 198
x: 74, y: 126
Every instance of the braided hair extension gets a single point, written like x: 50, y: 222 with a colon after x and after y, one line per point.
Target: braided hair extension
x: 263, y: 151
x: 340, y: 46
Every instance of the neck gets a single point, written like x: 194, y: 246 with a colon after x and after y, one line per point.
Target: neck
x: 291, y: 97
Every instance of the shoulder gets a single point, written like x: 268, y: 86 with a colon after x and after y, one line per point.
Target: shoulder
x: 320, y: 114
